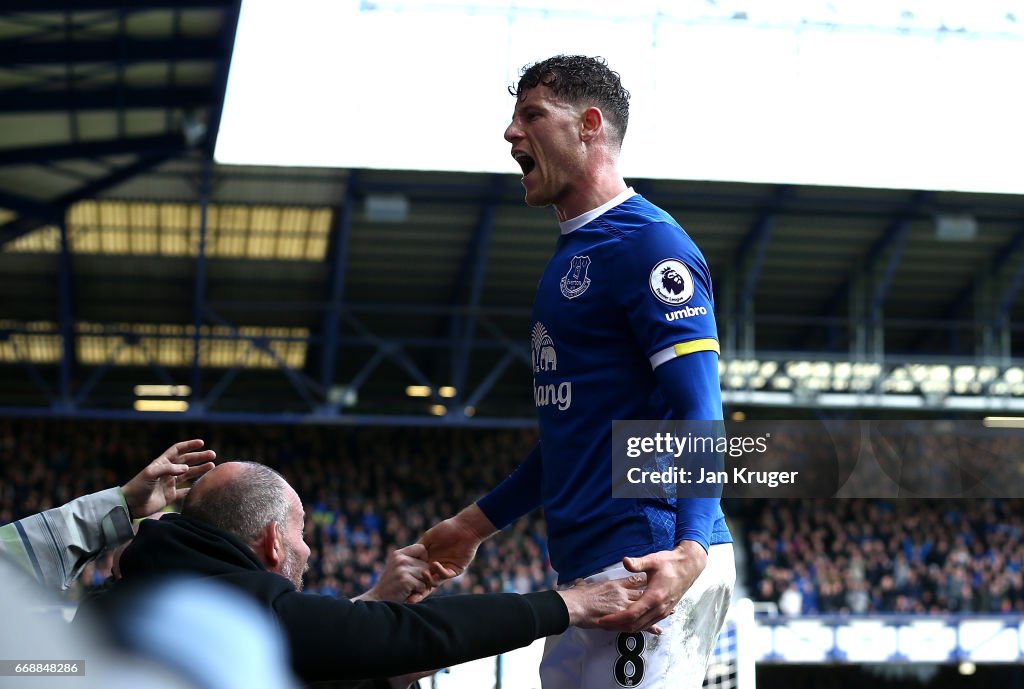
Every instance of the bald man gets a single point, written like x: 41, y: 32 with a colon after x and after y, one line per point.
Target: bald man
x: 242, y: 524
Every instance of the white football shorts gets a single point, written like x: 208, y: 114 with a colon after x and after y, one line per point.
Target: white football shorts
x: 678, y: 658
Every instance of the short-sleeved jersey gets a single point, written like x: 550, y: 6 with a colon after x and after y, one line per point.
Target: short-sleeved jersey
x: 624, y: 293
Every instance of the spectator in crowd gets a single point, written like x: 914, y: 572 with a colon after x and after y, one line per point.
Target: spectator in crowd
x: 49, y: 549
x: 791, y: 600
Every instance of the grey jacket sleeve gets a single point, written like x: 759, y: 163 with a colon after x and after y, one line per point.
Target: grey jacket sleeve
x: 54, y: 546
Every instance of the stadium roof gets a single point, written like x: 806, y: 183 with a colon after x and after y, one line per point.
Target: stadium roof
x: 316, y: 292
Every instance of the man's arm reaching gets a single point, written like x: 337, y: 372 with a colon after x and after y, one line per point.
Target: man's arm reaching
x: 342, y: 639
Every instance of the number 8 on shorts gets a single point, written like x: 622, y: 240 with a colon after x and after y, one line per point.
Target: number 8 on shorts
x: 629, y: 666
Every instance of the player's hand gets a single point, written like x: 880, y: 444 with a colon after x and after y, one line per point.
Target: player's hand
x: 451, y: 545
x: 405, y: 574
x: 588, y: 603
x: 155, y: 487
x: 670, y: 574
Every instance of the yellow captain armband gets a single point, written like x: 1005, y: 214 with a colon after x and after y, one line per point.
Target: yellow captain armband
x: 704, y: 344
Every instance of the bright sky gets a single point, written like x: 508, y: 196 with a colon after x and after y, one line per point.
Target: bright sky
x: 422, y: 85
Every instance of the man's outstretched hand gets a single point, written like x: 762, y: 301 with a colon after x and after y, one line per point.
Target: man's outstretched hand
x: 405, y: 575
x: 670, y: 574
x: 588, y: 603
x: 155, y: 487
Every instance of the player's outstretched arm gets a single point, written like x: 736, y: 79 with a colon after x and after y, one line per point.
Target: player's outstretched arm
x: 670, y: 574
x: 155, y: 487
x: 406, y: 574
x: 452, y: 544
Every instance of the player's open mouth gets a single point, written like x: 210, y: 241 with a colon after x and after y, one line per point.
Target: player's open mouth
x: 525, y: 162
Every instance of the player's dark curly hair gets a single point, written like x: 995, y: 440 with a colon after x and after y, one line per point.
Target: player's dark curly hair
x: 580, y: 80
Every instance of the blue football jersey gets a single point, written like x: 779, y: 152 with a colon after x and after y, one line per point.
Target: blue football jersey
x: 626, y: 291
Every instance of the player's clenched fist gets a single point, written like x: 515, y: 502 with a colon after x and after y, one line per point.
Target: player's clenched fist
x: 452, y: 544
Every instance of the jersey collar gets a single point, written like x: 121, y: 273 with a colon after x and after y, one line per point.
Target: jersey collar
x: 579, y: 221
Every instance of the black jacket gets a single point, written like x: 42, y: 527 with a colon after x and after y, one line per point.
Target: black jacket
x: 336, y: 638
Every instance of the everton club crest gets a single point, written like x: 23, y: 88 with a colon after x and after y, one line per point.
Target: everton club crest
x: 576, y: 281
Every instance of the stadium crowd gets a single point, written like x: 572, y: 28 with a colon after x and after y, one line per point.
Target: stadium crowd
x: 904, y: 556
x: 367, y: 491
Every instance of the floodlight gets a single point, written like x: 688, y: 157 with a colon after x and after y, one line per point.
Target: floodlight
x: 161, y: 405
